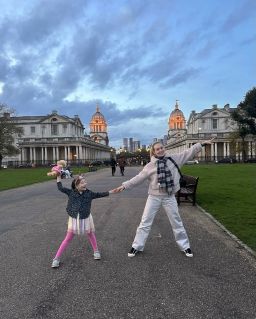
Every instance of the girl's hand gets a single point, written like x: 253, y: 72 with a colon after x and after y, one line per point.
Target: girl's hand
x: 58, y: 179
x: 117, y: 190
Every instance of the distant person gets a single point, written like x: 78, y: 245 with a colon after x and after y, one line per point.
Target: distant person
x: 113, y: 164
x: 80, y: 220
x: 121, y: 163
x: 163, y: 177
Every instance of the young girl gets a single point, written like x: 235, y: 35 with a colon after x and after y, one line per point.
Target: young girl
x: 80, y: 220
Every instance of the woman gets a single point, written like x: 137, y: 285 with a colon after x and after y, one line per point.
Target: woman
x: 163, y: 179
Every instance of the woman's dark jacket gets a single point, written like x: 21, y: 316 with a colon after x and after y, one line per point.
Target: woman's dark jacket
x: 79, y: 203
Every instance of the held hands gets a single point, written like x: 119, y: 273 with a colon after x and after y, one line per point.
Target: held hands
x: 116, y: 190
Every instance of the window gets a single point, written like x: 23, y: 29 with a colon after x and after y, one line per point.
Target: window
x: 64, y: 128
x: 215, y: 113
x: 214, y: 123
x: 54, y: 129
x: 32, y: 129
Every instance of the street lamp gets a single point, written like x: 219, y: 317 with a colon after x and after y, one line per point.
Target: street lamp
x: 199, y: 129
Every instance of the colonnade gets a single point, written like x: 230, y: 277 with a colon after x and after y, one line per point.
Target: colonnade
x: 45, y: 154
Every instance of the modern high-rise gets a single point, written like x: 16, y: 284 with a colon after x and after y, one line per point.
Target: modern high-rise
x: 131, y: 148
x: 125, y: 143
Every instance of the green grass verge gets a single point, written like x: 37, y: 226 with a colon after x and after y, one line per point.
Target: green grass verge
x: 12, y: 178
x: 227, y: 191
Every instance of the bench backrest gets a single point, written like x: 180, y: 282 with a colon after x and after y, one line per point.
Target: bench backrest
x: 191, y: 181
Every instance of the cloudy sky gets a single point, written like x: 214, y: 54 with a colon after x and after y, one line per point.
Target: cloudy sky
x: 133, y: 57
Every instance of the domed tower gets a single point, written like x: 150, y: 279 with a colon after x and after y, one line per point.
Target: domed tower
x: 98, y: 128
x: 177, y: 123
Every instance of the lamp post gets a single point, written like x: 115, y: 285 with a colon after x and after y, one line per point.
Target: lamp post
x: 199, y: 129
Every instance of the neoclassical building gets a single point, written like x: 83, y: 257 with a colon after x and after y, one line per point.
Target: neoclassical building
x: 211, y: 122
x: 98, y: 128
x: 49, y: 138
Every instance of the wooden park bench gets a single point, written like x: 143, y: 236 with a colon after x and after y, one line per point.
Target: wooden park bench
x: 188, y: 192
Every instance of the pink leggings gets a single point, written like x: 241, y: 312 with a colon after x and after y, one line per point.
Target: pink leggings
x: 69, y: 237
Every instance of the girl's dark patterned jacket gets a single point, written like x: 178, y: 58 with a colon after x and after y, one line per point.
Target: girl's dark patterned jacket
x: 79, y: 203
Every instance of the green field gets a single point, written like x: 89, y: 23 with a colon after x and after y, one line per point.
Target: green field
x: 226, y: 191
x: 17, y: 177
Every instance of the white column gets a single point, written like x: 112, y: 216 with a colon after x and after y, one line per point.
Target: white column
x: 215, y: 150
x: 53, y: 154
x: 34, y: 154
x: 228, y: 149
x: 68, y: 157
x: 57, y: 153
x: 212, y: 151
x: 30, y: 154
x: 45, y: 153
x: 42, y: 155
x: 225, y: 149
x: 66, y: 153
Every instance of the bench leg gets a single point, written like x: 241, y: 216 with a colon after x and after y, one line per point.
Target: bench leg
x: 194, y: 199
x: 178, y: 199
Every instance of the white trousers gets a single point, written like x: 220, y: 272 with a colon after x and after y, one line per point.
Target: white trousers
x: 152, y: 206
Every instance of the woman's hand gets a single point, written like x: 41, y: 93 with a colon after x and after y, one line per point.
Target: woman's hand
x: 117, y: 190
x: 208, y: 142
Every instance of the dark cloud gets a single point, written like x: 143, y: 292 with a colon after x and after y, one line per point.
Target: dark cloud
x: 45, y: 19
x: 249, y: 40
x: 208, y: 48
x: 182, y: 77
x: 239, y: 15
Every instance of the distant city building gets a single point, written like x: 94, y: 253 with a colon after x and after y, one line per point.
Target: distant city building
x: 98, y: 128
x: 136, y: 145
x: 131, y: 144
x: 125, y: 143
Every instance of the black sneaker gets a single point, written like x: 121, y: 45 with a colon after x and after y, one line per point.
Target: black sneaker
x: 188, y: 252
x: 132, y: 252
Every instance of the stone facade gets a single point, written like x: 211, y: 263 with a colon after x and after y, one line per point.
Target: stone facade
x: 49, y: 138
x: 212, y: 122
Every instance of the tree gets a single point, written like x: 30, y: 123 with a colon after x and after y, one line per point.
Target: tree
x: 245, y: 116
x: 8, y: 130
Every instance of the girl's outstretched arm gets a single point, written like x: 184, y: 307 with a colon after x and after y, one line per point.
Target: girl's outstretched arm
x: 60, y: 187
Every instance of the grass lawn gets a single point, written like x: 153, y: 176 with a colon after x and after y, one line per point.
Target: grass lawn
x: 17, y: 177
x: 228, y: 192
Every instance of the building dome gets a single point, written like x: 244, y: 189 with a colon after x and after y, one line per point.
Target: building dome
x: 97, y: 115
x: 177, y: 119
x: 98, y: 127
